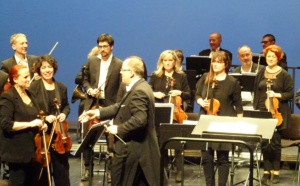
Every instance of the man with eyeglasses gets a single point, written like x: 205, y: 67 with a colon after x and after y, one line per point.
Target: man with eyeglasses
x: 245, y: 57
x: 215, y: 40
x: 270, y: 39
x: 101, y: 82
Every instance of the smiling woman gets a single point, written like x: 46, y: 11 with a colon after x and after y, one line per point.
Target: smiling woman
x: 47, y: 89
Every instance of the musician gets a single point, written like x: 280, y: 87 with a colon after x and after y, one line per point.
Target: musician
x: 137, y: 161
x: 215, y: 40
x: 3, y: 80
x: 245, y: 57
x: 283, y: 89
x: 46, y: 90
x: 19, y: 44
x: 19, y: 124
x: 168, y: 66
x: 228, y: 92
x: 101, y: 82
x: 270, y: 39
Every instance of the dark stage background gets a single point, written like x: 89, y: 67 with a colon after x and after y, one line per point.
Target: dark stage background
x: 145, y: 28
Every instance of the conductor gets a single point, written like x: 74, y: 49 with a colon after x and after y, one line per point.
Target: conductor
x: 135, y: 161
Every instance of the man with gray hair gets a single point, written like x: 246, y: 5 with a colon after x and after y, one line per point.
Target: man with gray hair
x: 19, y: 44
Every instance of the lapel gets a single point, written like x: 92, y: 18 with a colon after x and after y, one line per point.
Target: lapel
x: 110, y: 69
x: 97, y: 67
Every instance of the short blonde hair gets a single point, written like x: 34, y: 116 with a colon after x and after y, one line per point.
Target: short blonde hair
x: 14, y: 37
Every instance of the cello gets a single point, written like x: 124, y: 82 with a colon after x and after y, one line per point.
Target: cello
x: 272, y: 104
x: 178, y: 114
x: 214, y: 104
x: 62, y: 142
x: 42, y: 155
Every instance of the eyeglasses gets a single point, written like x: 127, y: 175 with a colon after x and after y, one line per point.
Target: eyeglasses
x: 265, y: 42
x: 104, y: 46
x: 123, y: 70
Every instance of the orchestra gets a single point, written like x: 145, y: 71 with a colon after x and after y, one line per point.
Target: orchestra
x: 34, y: 108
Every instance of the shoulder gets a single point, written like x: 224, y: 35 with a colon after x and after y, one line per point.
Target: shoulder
x: 3, y: 74
x: 222, y: 49
x: 204, y: 52
x: 31, y: 57
x: 237, y: 70
x: 117, y: 60
x: 8, y: 60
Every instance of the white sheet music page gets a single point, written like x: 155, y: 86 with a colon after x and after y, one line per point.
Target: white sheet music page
x: 232, y: 127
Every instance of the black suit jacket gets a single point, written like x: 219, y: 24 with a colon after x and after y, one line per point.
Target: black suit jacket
x: 8, y: 63
x: 112, y: 83
x: 16, y: 146
x: 134, y: 115
x: 3, y: 80
x: 206, y: 52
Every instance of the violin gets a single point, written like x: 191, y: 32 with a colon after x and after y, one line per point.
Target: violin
x: 214, y: 104
x: 62, y: 142
x: 178, y: 114
x: 272, y: 105
x: 42, y: 155
x: 94, y: 121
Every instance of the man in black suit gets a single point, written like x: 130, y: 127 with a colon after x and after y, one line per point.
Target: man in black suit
x: 215, y: 40
x: 270, y: 39
x: 20, y: 45
x: 3, y: 80
x: 136, y: 160
x: 101, y: 82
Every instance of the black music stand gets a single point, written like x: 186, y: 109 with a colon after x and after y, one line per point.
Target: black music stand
x: 168, y: 130
x: 246, y: 80
x: 163, y: 114
x: 199, y: 63
x: 259, y: 57
x: 235, y: 128
x: 89, y: 141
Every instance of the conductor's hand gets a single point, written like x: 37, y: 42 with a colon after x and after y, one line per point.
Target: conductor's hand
x: 89, y: 115
x: 113, y: 129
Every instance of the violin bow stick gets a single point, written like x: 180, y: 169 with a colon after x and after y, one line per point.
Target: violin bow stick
x: 105, y: 126
x: 53, y: 48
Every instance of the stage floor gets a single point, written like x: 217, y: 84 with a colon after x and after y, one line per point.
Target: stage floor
x: 191, y: 176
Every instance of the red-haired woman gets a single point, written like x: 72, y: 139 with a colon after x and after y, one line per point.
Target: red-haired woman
x: 18, y: 126
x: 282, y: 88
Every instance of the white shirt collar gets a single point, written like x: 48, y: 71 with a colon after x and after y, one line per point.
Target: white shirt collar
x: 18, y: 60
x: 128, y: 88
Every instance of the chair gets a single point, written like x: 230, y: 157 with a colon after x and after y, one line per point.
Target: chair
x: 291, y: 137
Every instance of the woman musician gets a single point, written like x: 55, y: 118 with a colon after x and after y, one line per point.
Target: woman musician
x: 47, y: 89
x: 282, y: 88
x: 19, y: 124
x: 168, y: 68
x: 217, y: 85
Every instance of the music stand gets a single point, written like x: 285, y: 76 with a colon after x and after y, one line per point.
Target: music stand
x: 246, y: 81
x: 259, y: 57
x: 163, y: 114
x: 89, y: 141
x: 199, y: 63
x: 245, y: 129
